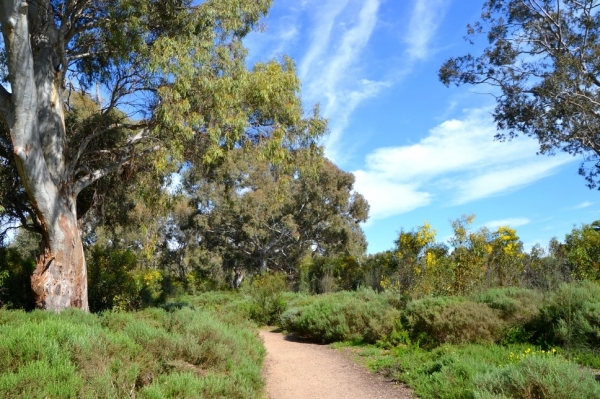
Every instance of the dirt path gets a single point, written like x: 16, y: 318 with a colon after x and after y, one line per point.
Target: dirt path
x: 299, y: 370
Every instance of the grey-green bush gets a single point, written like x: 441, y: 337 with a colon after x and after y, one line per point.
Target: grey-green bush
x: 517, y: 307
x: 537, y: 377
x: 571, y: 318
x: 153, y: 353
x: 343, y: 316
x: 438, y: 320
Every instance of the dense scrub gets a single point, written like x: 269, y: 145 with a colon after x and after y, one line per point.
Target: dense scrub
x: 485, y: 371
x: 363, y: 316
x: 501, y: 342
x: 183, y: 353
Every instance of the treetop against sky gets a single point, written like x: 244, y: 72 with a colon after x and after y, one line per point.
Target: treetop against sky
x: 420, y: 151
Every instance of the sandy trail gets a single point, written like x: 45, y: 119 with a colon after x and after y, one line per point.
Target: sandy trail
x: 299, y: 370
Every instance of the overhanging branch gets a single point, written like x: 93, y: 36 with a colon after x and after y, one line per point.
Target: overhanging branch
x: 94, y: 176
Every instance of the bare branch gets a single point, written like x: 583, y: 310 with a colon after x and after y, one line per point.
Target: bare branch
x: 91, y: 178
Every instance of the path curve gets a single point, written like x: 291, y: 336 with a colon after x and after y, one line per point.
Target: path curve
x: 295, y: 369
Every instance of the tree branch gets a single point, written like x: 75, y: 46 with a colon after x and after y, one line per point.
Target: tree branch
x: 92, y: 177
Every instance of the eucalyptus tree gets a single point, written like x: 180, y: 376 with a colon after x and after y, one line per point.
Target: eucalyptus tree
x: 170, y: 82
x: 259, y: 215
x: 542, y: 60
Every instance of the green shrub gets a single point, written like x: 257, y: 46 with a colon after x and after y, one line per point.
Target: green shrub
x: 571, y: 318
x: 116, y: 283
x: 344, y: 316
x: 266, y: 293
x: 517, y: 307
x: 445, y: 372
x: 537, y: 377
x: 434, y: 321
x: 15, y: 289
x: 152, y: 353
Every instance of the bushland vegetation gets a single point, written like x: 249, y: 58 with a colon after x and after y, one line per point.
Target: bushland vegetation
x: 471, y: 317
x: 155, y: 353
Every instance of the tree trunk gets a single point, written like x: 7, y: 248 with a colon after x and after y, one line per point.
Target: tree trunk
x: 33, y: 111
x: 60, y: 277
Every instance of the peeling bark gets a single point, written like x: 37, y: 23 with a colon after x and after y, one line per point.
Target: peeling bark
x: 60, y: 277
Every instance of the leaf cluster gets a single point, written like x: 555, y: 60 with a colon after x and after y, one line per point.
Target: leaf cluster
x: 542, y: 64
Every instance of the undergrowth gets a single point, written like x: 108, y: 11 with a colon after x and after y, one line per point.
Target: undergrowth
x: 184, y: 353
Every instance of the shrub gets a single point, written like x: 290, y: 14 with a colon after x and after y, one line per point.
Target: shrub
x: 115, y: 282
x: 15, y: 289
x: 152, y: 353
x: 537, y: 377
x: 445, y: 372
x: 517, y: 307
x: 266, y: 292
x: 345, y: 316
x: 434, y: 321
x: 571, y: 318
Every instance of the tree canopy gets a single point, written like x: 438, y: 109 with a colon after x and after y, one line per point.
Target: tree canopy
x: 260, y: 215
x: 171, y: 85
x: 542, y: 62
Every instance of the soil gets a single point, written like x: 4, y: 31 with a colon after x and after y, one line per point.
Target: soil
x: 298, y: 369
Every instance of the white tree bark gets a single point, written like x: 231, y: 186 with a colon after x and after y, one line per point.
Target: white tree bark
x: 33, y: 112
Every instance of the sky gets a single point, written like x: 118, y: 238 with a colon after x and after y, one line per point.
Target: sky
x: 420, y: 152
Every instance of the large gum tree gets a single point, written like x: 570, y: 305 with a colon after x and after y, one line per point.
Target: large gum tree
x: 169, y: 84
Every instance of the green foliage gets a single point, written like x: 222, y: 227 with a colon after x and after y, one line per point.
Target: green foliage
x: 115, y: 282
x: 260, y: 215
x: 363, y: 316
x: 571, y: 318
x: 266, y: 293
x: 184, y: 353
x: 484, y: 371
x: 537, y: 377
x: 434, y: 321
x: 15, y: 286
x: 333, y: 273
x: 518, y: 307
x: 446, y: 372
x: 583, y: 249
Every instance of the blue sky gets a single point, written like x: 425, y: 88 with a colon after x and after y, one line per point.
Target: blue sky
x: 419, y: 151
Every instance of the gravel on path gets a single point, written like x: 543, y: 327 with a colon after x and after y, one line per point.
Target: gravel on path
x: 296, y: 369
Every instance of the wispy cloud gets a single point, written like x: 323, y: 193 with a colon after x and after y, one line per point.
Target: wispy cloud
x: 280, y: 37
x: 511, y: 222
x: 583, y: 205
x: 457, y: 162
x: 324, y: 17
x: 425, y: 19
x: 330, y: 69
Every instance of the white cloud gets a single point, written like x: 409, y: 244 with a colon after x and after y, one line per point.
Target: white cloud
x: 330, y: 69
x: 457, y: 162
x: 321, y: 33
x: 583, y: 205
x: 387, y: 198
x: 511, y: 222
x: 425, y: 19
x: 508, y: 178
